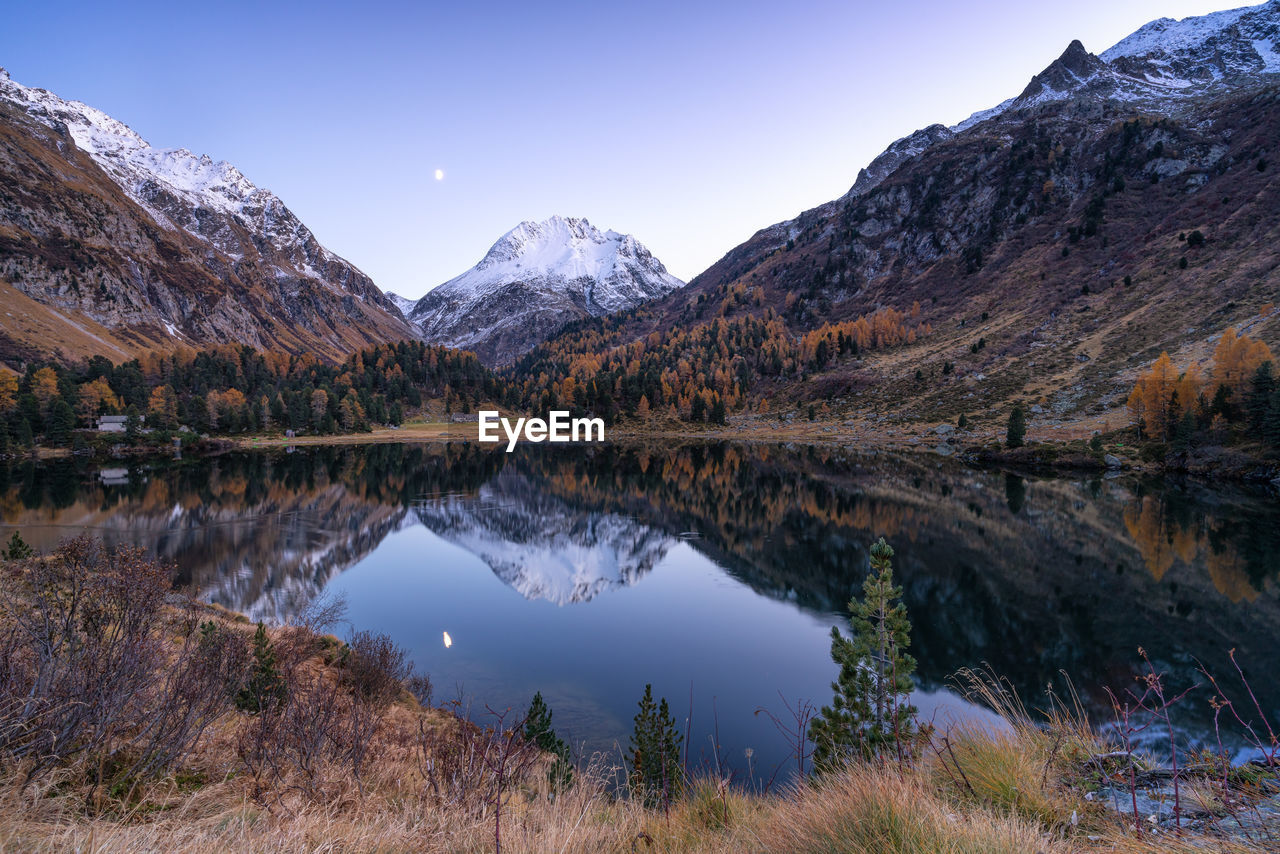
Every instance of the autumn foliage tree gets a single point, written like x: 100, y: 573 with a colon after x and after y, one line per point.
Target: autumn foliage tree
x: 1151, y: 403
x: 1237, y: 390
x: 699, y: 373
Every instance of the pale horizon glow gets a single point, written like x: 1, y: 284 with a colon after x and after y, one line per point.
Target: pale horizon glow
x: 689, y: 126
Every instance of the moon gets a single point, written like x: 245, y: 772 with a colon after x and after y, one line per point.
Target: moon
x: 448, y: 641
x: 439, y: 174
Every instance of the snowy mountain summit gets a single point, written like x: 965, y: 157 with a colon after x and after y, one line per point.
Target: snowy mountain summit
x: 206, y: 198
x: 1160, y: 68
x: 229, y: 260
x: 536, y: 278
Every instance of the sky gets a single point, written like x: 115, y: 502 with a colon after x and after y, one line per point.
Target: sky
x: 688, y: 124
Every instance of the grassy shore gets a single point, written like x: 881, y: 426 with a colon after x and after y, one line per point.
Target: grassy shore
x: 1066, y: 448
x: 410, y: 431
x: 195, y: 751
x: 819, y: 431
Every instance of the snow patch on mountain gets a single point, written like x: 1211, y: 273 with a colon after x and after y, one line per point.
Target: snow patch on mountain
x: 982, y: 115
x: 405, y: 304
x: 896, y: 154
x: 129, y: 159
x: 1165, y: 35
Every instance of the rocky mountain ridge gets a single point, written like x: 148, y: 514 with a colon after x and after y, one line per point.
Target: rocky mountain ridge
x: 1045, y: 240
x: 1157, y: 66
x: 121, y: 247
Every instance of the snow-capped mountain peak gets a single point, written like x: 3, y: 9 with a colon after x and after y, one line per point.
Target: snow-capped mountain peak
x: 1198, y: 52
x: 1157, y: 67
x: 1167, y: 60
x: 228, y: 262
x: 129, y: 159
x: 570, y: 246
x: 172, y: 184
x: 533, y: 280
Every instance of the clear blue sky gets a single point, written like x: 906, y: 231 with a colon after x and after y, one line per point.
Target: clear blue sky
x: 690, y: 125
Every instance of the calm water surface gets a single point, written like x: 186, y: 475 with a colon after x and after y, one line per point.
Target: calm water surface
x: 707, y: 570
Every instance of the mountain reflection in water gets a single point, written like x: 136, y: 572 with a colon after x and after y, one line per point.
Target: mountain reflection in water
x: 660, y: 564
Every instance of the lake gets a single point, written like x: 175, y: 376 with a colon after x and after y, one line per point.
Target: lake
x: 713, y: 571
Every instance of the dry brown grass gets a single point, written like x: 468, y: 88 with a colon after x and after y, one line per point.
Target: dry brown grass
x: 871, y: 810
x: 1010, y: 774
x: 417, y: 431
x: 976, y: 792
x: 863, y: 810
x: 1021, y: 770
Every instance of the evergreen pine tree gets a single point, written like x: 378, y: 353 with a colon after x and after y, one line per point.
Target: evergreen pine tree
x: 697, y: 408
x: 1222, y: 404
x: 1017, y: 430
x: 656, y: 775
x: 717, y: 411
x: 266, y: 687
x: 538, y: 731
x: 25, y: 437
x: 822, y: 355
x: 870, y: 710
x: 17, y: 549
x: 132, y: 424
x: 62, y: 420
x: 1260, y: 392
x: 1271, y: 429
x: 1184, y: 432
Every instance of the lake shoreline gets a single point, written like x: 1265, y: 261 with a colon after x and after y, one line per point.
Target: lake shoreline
x: 1041, y: 455
x: 1063, y: 453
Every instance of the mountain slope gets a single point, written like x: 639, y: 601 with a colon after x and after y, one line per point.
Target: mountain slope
x: 1017, y: 230
x: 536, y: 278
x: 161, y: 247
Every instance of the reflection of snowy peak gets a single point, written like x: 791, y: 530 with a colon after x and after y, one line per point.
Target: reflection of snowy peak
x: 540, y: 546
